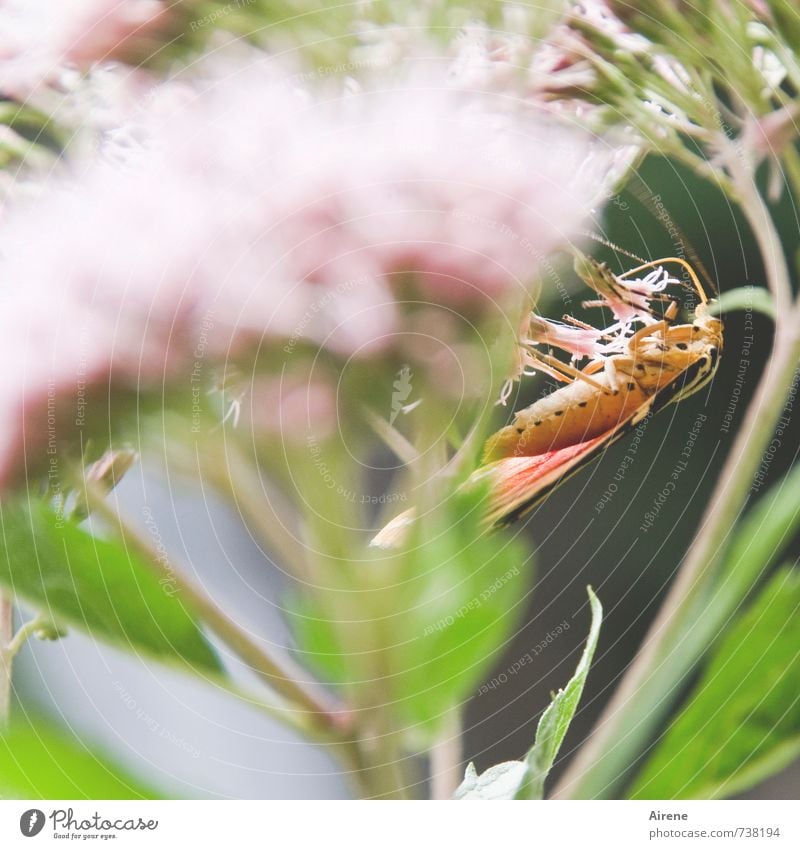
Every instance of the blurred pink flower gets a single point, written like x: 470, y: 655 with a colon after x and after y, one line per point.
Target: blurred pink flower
x: 579, y: 342
x: 269, y: 216
x: 290, y: 409
x: 40, y: 39
x: 630, y: 299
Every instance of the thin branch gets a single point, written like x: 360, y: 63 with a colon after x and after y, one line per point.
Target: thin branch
x: 6, y: 657
x: 446, y: 758
x: 384, y: 773
x: 395, y: 440
x: 281, y: 674
x: 760, y: 221
x: 236, y: 478
x: 26, y: 631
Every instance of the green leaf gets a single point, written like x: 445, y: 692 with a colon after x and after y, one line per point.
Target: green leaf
x: 556, y: 719
x: 742, y: 722
x: 758, y: 543
x: 765, y: 532
x: 425, y: 621
x: 39, y: 760
x: 525, y: 779
x: 97, y: 586
x: 501, y: 781
x: 316, y: 637
x: 744, y: 298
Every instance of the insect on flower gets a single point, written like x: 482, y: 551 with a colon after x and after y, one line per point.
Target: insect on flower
x: 636, y: 367
x: 633, y: 372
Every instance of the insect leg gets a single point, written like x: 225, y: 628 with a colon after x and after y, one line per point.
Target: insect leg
x: 567, y: 371
x: 593, y: 368
x: 644, y: 332
x: 610, y: 369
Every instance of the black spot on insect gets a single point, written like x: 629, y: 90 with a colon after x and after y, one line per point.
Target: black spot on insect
x: 695, y: 329
x: 520, y: 430
x: 582, y: 403
x: 615, y: 392
x: 639, y: 367
x: 682, y: 346
x: 558, y: 413
x: 661, y: 347
x: 631, y: 387
x: 536, y: 424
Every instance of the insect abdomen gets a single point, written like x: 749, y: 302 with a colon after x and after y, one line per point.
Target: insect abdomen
x: 568, y: 416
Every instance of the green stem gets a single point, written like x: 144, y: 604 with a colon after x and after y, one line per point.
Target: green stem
x: 373, y: 760
x: 769, y: 242
x: 6, y: 656
x: 669, y: 650
x: 392, y: 437
x: 384, y: 774
x: 791, y: 163
x: 234, y: 476
x: 326, y: 716
x: 26, y: 631
x: 446, y: 759
x: 346, y: 749
x: 226, y: 468
x: 11, y: 644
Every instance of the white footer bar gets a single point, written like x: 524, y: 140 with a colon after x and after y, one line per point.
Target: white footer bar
x: 405, y: 825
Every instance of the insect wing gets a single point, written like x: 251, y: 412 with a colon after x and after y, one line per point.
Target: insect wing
x: 518, y: 484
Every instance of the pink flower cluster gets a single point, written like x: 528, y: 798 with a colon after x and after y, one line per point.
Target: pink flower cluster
x: 269, y: 216
x: 41, y: 39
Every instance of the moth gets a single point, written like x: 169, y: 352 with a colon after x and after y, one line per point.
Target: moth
x: 661, y: 363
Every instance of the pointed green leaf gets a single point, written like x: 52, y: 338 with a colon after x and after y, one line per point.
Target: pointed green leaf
x: 556, y: 719
x: 525, y: 779
x: 97, y: 586
x: 742, y: 723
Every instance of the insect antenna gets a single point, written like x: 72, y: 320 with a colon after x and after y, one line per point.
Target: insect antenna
x: 609, y: 244
x: 638, y: 189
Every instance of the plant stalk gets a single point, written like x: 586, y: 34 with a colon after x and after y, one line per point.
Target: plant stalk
x: 6, y: 657
x: 446, y: 758
x: 233, y: 475
x: 327, y: 716
x: 384, y: 774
